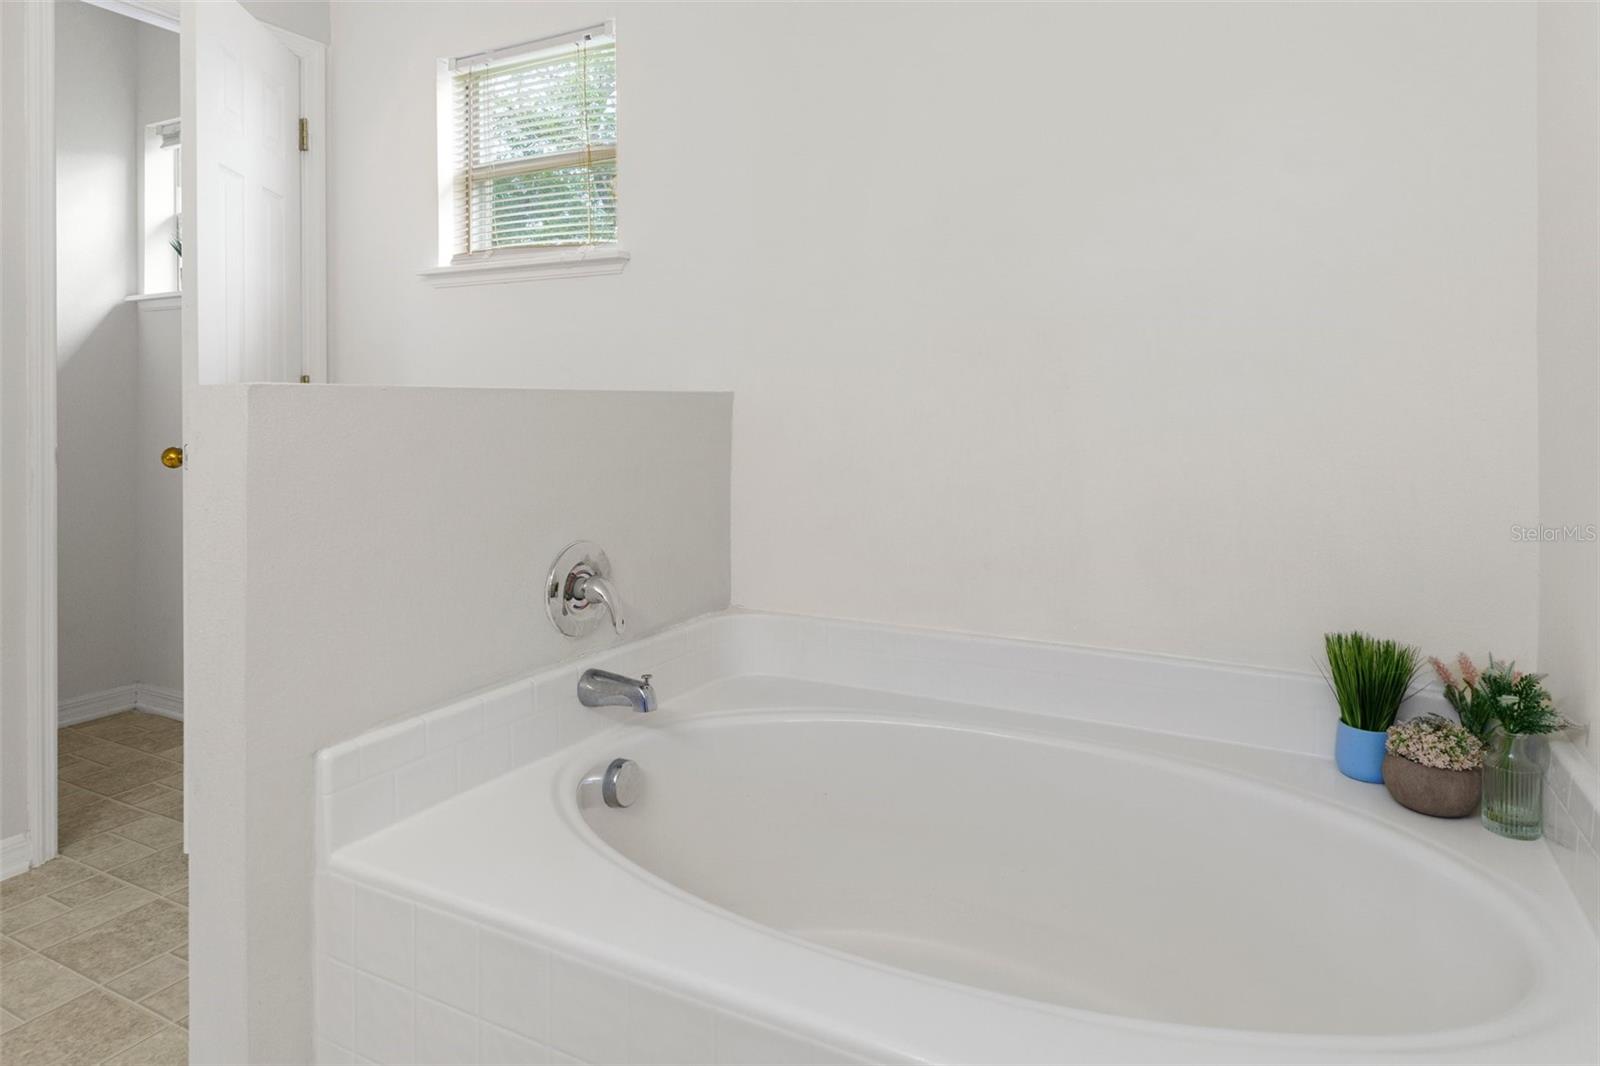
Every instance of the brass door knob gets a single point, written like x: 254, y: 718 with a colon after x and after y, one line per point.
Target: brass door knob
x: 172, y: 458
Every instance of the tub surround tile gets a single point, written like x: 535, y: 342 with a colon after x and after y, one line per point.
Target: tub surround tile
x: 336, y: 917
x: 330, y: 1054
x: 668, y: 1029
x: 508, y: 704
x: 485, y: 756
x: 393, y: 747
x: 498, y: 1047
x: 535, y: 737
x: 336, y: 1002
x: 514, y: 985
x: 384, y: 1021
x: 360, y: 810
x: 338, y: 768
x: 449, y: 726
x: 447, y: 959
x: 427, y: 781
x: 444, y: 1035
x: 384, y: 936
x: 747, y: 1043
x: 472, y: 994
x: 1571, y: 799
x: 588, y: 1012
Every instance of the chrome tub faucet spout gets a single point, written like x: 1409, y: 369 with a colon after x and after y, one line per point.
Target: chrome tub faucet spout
x: 602, y: 688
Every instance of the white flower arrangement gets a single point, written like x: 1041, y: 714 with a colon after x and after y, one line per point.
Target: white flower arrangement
x: 1435, y: 742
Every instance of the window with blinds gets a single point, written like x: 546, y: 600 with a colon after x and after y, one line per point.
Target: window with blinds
x: 534, y: 154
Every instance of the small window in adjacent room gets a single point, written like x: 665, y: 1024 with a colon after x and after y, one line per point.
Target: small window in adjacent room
x: 528, y: 149
x: 162, y: 195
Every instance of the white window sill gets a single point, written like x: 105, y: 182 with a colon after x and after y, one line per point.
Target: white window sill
x: 156, y: 301
x: 568, y: 263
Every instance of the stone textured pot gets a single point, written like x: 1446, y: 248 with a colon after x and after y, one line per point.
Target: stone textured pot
x: 1430, y: 790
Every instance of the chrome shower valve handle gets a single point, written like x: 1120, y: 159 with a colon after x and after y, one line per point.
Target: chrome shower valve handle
x: 579, y: 591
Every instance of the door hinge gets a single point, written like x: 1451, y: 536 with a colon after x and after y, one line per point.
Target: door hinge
x: 305, y: 135
x: 305, y: 379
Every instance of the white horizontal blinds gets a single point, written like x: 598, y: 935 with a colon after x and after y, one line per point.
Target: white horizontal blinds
x: 537, y: 148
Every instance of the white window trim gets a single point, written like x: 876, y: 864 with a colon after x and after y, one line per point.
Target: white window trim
x: 583, y: 261
x: 510, y: 264
x: 156, y: 301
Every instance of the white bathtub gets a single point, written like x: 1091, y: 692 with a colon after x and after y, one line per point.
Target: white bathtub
x: 819, y: 872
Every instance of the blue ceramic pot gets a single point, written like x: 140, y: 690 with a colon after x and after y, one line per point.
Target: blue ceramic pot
x: 1359, y: 753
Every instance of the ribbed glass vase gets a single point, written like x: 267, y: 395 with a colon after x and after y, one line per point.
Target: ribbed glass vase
x: 1513, y: 784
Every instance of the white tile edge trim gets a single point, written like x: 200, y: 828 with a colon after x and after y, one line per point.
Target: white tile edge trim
x: 166, y: 702
x: 15, y: 856
x: 1572, y: 824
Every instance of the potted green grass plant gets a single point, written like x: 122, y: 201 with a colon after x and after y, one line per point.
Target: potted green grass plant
x: 1370, y: 678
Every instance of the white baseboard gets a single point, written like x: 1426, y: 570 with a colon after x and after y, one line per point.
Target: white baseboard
x: 15, y: 856
x: 97, y: 705
x: 166, y: 702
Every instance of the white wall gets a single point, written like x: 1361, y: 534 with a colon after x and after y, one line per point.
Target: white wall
x: 1569, y: 354
x: 13, y: 475
x: 308, y: 18
x: 97, y: 77
x: 1189, y: 328
x: 118, y: 380
x: 362, y: 554
x: 158, y: 511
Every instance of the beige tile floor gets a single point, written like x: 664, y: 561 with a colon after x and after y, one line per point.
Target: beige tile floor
x: 94, y: 944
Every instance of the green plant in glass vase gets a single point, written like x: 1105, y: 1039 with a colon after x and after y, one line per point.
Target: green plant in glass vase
x: 1513, y: 714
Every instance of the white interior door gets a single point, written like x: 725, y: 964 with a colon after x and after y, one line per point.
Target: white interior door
x: 241, y: 127
x: 242, y: 294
